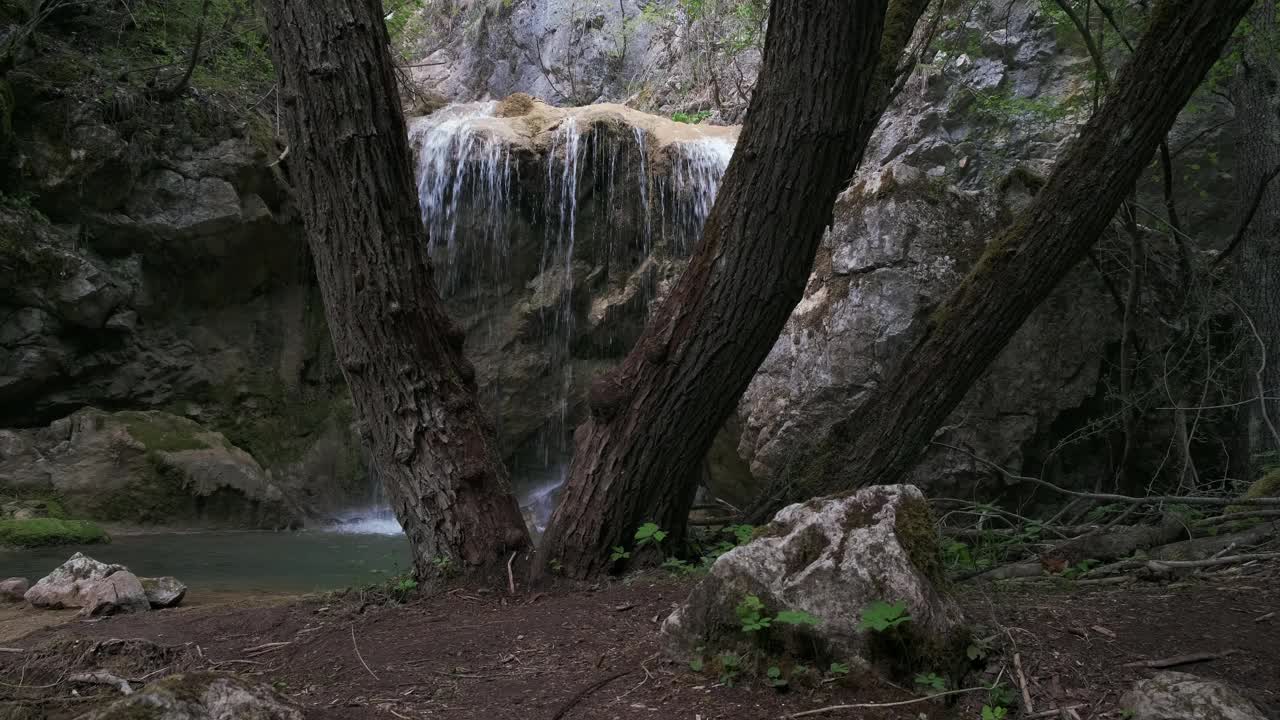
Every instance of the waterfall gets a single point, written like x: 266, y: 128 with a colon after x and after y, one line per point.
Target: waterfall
x: 606, y: 207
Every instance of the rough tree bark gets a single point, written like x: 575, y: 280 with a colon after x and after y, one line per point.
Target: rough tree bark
x: 880, y: 441
x: 1256, y: 277
x: 654, y: 417
x: 414, y: 392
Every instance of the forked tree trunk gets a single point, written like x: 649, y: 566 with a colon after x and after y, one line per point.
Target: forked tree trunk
x: 414, y: 393
x: 654, y: 417
x: 882, y: 439
x: 1257, y: 264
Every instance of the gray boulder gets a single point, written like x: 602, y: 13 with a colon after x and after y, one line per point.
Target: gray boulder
x: 118, y: 593
x: 832, y: 559
x: 164, y: 592
x: 71, y: 585
x: 1183, y: 696
x: 14, y: 589
x: 200, y: 696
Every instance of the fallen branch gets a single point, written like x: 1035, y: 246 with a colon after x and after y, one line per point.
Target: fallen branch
x: 1181, y: 659
x: 1228, y: 560
x: 856, y: 706
x: 1022, y: 683
x: 102, y: 677
x: 511, y: 579
x: 577, y: 698
x: 1051, y: 713
x: 359, y: 656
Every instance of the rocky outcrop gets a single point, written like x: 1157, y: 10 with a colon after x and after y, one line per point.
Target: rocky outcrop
x: 102, y: 589
x: 71, y: 584
x: 200, y: 696
x: 1183, y: 696
x: 834, y: 562
x: 143, y: 467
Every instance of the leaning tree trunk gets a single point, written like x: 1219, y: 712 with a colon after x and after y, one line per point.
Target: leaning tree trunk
x: 1257, y: 266
x: 653, y: 418
x: 880, y: 441
x: 414, y: 393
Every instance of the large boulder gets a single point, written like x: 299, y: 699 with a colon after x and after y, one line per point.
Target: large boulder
x: 834, y: 560
x: 200, y: 696
x: 72, y: 584
x: 14, y: 589
x: 164, y: 592
x: 120, y: 592
x: 1183, y: 696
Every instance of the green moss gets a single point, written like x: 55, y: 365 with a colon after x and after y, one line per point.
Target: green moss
x: 917, y: 532
x: 1267, y: 486
x: 164, y: 433
x: 42, y: 532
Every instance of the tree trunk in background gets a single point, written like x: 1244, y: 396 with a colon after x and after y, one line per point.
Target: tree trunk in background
x: 414, y: 393
x: 1256, y: 95
x: 882, y: 439
x: 654, y: 417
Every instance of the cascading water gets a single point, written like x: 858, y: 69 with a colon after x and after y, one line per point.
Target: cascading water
x: 606, y: 206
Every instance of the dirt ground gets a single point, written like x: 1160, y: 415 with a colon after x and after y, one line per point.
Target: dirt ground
x: 593, y: 652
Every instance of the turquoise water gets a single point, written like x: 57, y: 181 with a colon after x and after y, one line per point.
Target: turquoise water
x: 302, y: 561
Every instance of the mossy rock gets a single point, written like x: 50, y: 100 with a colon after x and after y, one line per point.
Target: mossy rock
x: 45, y: 532
x: 1266, y: 486
x: 161, y: 432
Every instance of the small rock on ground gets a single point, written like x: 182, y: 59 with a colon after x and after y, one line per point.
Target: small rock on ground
x: 14, y: 589
x: 1183, y: 696
x: 164, y: 592
x: 200, y: 696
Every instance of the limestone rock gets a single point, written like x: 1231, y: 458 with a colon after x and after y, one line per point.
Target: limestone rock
x: 145, y: 467
x: 1183, y: 696
x: 832, y: 559
x: 119, y: 592
x: 164, y: 592
x: 200, y: 696
x: 14, y: 589
x: 72, y: 584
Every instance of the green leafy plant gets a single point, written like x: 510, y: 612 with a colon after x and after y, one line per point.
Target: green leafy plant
x: 444, y: 565
x: 649, y: 533
x: 730, y: 668
x: 676, y: 566
x: 774, y: 674
x: 1000, y: 695
x: 996, y: 712
x: 978, y: 648
x: 1080, y: 568
x: 741, y: 533
x: 619, y: 553
x: 556, y: 566
x: 796, y: 617
x: 931, y: 681
x: 751, y: 614
x: 880, y: 616
x: 838, y: 669
x: 691, y: 118
x: 696, y: 664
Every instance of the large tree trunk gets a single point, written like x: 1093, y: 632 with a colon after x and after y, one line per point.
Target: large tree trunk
x: 414, y: 393
x: 1256, y: 94
x: 654, y: 417
x: 880, y: 441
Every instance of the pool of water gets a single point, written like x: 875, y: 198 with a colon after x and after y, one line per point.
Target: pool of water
x: 303, y: 561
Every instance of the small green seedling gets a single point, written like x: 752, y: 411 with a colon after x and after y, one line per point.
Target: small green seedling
x: 751, y: 614
x: 931, y: 681
x: 880, y: 616
x: 796, y: 617
x: 993, y: 713
x: 838, y: 669
x: 775, y: 677
x: 676, y: 566
x: 444, y: 565
x: 696, y: 665
x: 730, y: 668
x: 556, y: 567
x: 619, y: 553
x: 650, y: 533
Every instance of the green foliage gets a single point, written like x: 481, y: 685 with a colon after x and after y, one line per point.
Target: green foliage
x: 993, y: 713
x: 880, y: 616
x: 930, y: 681
x: 1000, y: 695
x: 556, y: 566
x: 235, y: 56
x: 838, y: 669
x: 676, y: 566
x: 619, y: 553
x: 1079, y: 568
x: 978, y: 648
x: 400, y: 587
x: 649, y: 533
x: 774, y: 674
x: 163, y: 432
x: 742, y: 534
x: 44, y: 532
x: 750, y: 614
x: 697, y: 664
x: 691, y: 118
x: 730, y: 668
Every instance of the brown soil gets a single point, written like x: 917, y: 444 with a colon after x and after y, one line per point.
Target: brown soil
x: 594, y: 652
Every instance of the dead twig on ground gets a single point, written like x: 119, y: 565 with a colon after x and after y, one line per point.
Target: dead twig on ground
x: 360, y: 657
x: 1181, y: 659
x: 1228, y: 560
x: 102, y: 677
x: 578, y: 696
x: 1051, y: 713
x: 912, y: 701
x: 1022, y: 683
x: 511, y: 579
